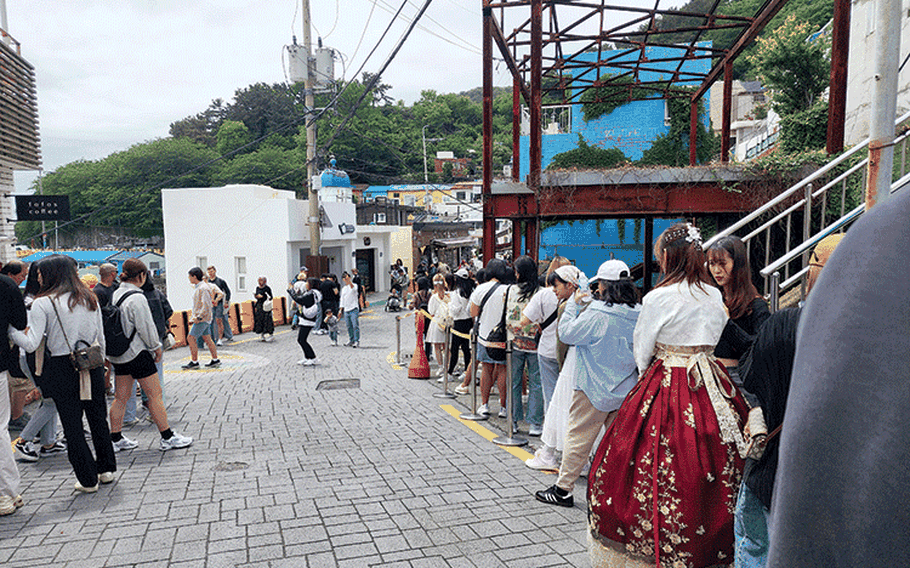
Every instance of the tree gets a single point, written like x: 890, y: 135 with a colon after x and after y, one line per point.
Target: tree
x: 792, y: 65
x: 232, y: 136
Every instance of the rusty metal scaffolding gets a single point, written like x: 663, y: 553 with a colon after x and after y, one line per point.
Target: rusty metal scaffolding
x: 535, y: 55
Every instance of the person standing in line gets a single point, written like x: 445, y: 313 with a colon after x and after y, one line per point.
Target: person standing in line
x: 605, y: 368
x: 221, y: 311
x: 350, y: 309
x: 663, y: 483
x: 438, y: 308
x: 488, y: 305
x: 138, y: 361
x: 18, y: 387
x: 263, y: 322
x: 67, y: 312
x: 161, y: 313
x: 524, y: 345
x: 462, y: 322
x: 308, y: 302
x: 202, y: 320
x: 12, y: 316
x: 107, y: 283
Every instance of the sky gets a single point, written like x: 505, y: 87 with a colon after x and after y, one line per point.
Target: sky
x: 114, y: 74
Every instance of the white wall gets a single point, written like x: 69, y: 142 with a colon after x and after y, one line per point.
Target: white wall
x: 861, y: 64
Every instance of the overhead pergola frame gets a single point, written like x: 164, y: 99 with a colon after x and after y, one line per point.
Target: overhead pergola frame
x: 535, y: 53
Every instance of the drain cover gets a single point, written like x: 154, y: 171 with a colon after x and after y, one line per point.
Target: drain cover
x: 338, y: 384
x: 231, y: 466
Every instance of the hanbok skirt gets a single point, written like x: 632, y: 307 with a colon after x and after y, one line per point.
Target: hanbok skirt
x: 664, y: 481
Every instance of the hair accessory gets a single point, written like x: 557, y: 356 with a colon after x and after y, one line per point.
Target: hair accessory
x: 688, y: 231
x: 694, y: 235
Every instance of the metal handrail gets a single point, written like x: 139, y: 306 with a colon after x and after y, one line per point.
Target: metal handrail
x: 796, y: 187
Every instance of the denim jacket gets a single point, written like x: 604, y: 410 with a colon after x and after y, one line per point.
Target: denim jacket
x: 605, y: 364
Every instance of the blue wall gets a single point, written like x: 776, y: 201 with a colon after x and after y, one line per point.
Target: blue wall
x: 632, y: 127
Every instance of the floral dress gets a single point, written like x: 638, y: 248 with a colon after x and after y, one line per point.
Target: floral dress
x: 664, y: 481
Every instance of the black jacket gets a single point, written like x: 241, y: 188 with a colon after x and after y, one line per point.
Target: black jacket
x: 12, y: 313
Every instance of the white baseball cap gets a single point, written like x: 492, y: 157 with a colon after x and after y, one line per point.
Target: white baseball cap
x: 612, y: 270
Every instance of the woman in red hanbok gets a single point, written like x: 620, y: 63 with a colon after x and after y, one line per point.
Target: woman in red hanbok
x: 664, y: 481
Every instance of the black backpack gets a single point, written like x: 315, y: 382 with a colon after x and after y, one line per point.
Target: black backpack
x: 116, y: 341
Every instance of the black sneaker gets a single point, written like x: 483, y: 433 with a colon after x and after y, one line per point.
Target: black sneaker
x: 57, y: 448
x: 555, y: 496
x: 191, y: 365
x: 213, y: 363
x: 24, y: 451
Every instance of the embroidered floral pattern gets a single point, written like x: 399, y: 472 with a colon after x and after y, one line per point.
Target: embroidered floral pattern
x: 689, y: 415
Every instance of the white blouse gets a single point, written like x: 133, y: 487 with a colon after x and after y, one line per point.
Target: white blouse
x: 458, y: 306
x: 79, y: 324
x: 678, y: 314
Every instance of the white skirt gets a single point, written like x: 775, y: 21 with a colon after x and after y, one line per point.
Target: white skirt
x: 556, y: 421
x: 436, y: 334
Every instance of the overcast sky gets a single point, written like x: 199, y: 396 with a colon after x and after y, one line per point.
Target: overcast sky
x: 115, y: 73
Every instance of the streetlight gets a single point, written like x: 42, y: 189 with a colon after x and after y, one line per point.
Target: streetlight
x: 426, y: 179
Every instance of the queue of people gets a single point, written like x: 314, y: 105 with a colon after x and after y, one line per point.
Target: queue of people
x: 667, y: 380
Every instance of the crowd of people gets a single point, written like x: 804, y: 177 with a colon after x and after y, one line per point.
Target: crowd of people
x: 668, y: 381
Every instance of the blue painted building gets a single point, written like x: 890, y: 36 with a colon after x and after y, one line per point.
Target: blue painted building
x: 634, y: 126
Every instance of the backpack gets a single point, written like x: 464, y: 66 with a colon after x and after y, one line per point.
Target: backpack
x: 116, y: 341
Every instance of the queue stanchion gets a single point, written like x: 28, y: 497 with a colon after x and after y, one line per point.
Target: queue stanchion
x: 473, y: 414
x: 510, y: 439
x: 398, y: 340
x: 445, y: 368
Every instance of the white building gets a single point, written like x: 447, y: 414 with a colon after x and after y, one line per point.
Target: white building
x: 247, y: 231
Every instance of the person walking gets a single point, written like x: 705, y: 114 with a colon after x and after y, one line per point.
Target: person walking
x: 350, y: 305
x: 138, y: 361
x: 263, y: 322
x: 12, y: 317
x: 67, y: 312
x: 664, y: 480
x: 221, y: 310
x: 309, y: 304
x: 202, y: 320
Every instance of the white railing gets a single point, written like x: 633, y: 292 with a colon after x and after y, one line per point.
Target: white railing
x: 794, y: 230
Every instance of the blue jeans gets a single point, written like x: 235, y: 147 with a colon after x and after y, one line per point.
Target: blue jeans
x: 549, y: 372
x: 750, y: 530
x: 218, y: 312
x: 352, y: 321
x: 520, y: 359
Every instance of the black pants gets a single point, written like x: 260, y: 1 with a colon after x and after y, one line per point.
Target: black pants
x: 61, y: 383
x: 303, y: 333
x: 461, y: 326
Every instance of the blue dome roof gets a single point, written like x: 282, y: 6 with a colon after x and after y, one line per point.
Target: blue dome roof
x: 332, y: 177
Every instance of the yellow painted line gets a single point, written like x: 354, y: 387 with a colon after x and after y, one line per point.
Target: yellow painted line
x: 390, y: 358
x: 486, y: 433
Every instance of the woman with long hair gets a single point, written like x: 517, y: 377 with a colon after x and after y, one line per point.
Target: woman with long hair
x: 524, y: 344
x: 67, y: 312
x: 438, y: 308
x: 462, y: 322
x: 664, y: 480
x: 138, y: 362
x: 729, y: 265
x: 421, y: 301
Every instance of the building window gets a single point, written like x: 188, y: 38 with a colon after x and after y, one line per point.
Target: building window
x: 153, y: 266
x: 240, y: 272
x: 202, y: 262
x: 379, y: 218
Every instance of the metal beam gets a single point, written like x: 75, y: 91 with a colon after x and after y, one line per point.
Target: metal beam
x: 510, y: 61
x: 725, y: 116
x: 489, y: 221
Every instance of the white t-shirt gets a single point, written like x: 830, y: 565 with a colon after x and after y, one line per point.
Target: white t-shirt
x: 349, y: 300
x: 492, y: 311
x: 459, y: 308
x: 541, y: 306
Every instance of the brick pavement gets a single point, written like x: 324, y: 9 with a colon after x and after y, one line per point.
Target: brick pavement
x: 284, y: 475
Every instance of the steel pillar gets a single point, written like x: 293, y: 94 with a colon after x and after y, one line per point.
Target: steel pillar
x: 534, y: 156
x: 727, y: 108
x: 648, y: 266
x: 489, y: 223
x: 886, y: 47
x: 837, y: 98
x: 516, y: 129
x: 693, y: 132
x: 531, y: 229
x: 516, y: 238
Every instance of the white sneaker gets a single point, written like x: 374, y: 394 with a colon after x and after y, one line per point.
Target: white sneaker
x: 484, y: 409
x: 302, y: 362
x: 175, y: 442
x: 219, y: 343
x: 503, y: 413
x: 106, y: 477
x: 125, y: 443
x: 310, y: 362
x: 544, y: 458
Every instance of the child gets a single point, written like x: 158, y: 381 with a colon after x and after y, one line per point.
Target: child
x: 331, y: 324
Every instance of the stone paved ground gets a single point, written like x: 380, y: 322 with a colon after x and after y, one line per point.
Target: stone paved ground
x: 284, y: 475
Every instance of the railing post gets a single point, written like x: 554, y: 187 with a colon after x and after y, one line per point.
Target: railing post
x: 398, y: 339
x: 445, y: 367
x: 807, y: 222
x: 510, y: 439
x: 775, y: 292
x: 473, y: 414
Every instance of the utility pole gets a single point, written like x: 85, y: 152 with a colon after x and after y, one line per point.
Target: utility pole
x: 310, y: 102
x: 887, y: 43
